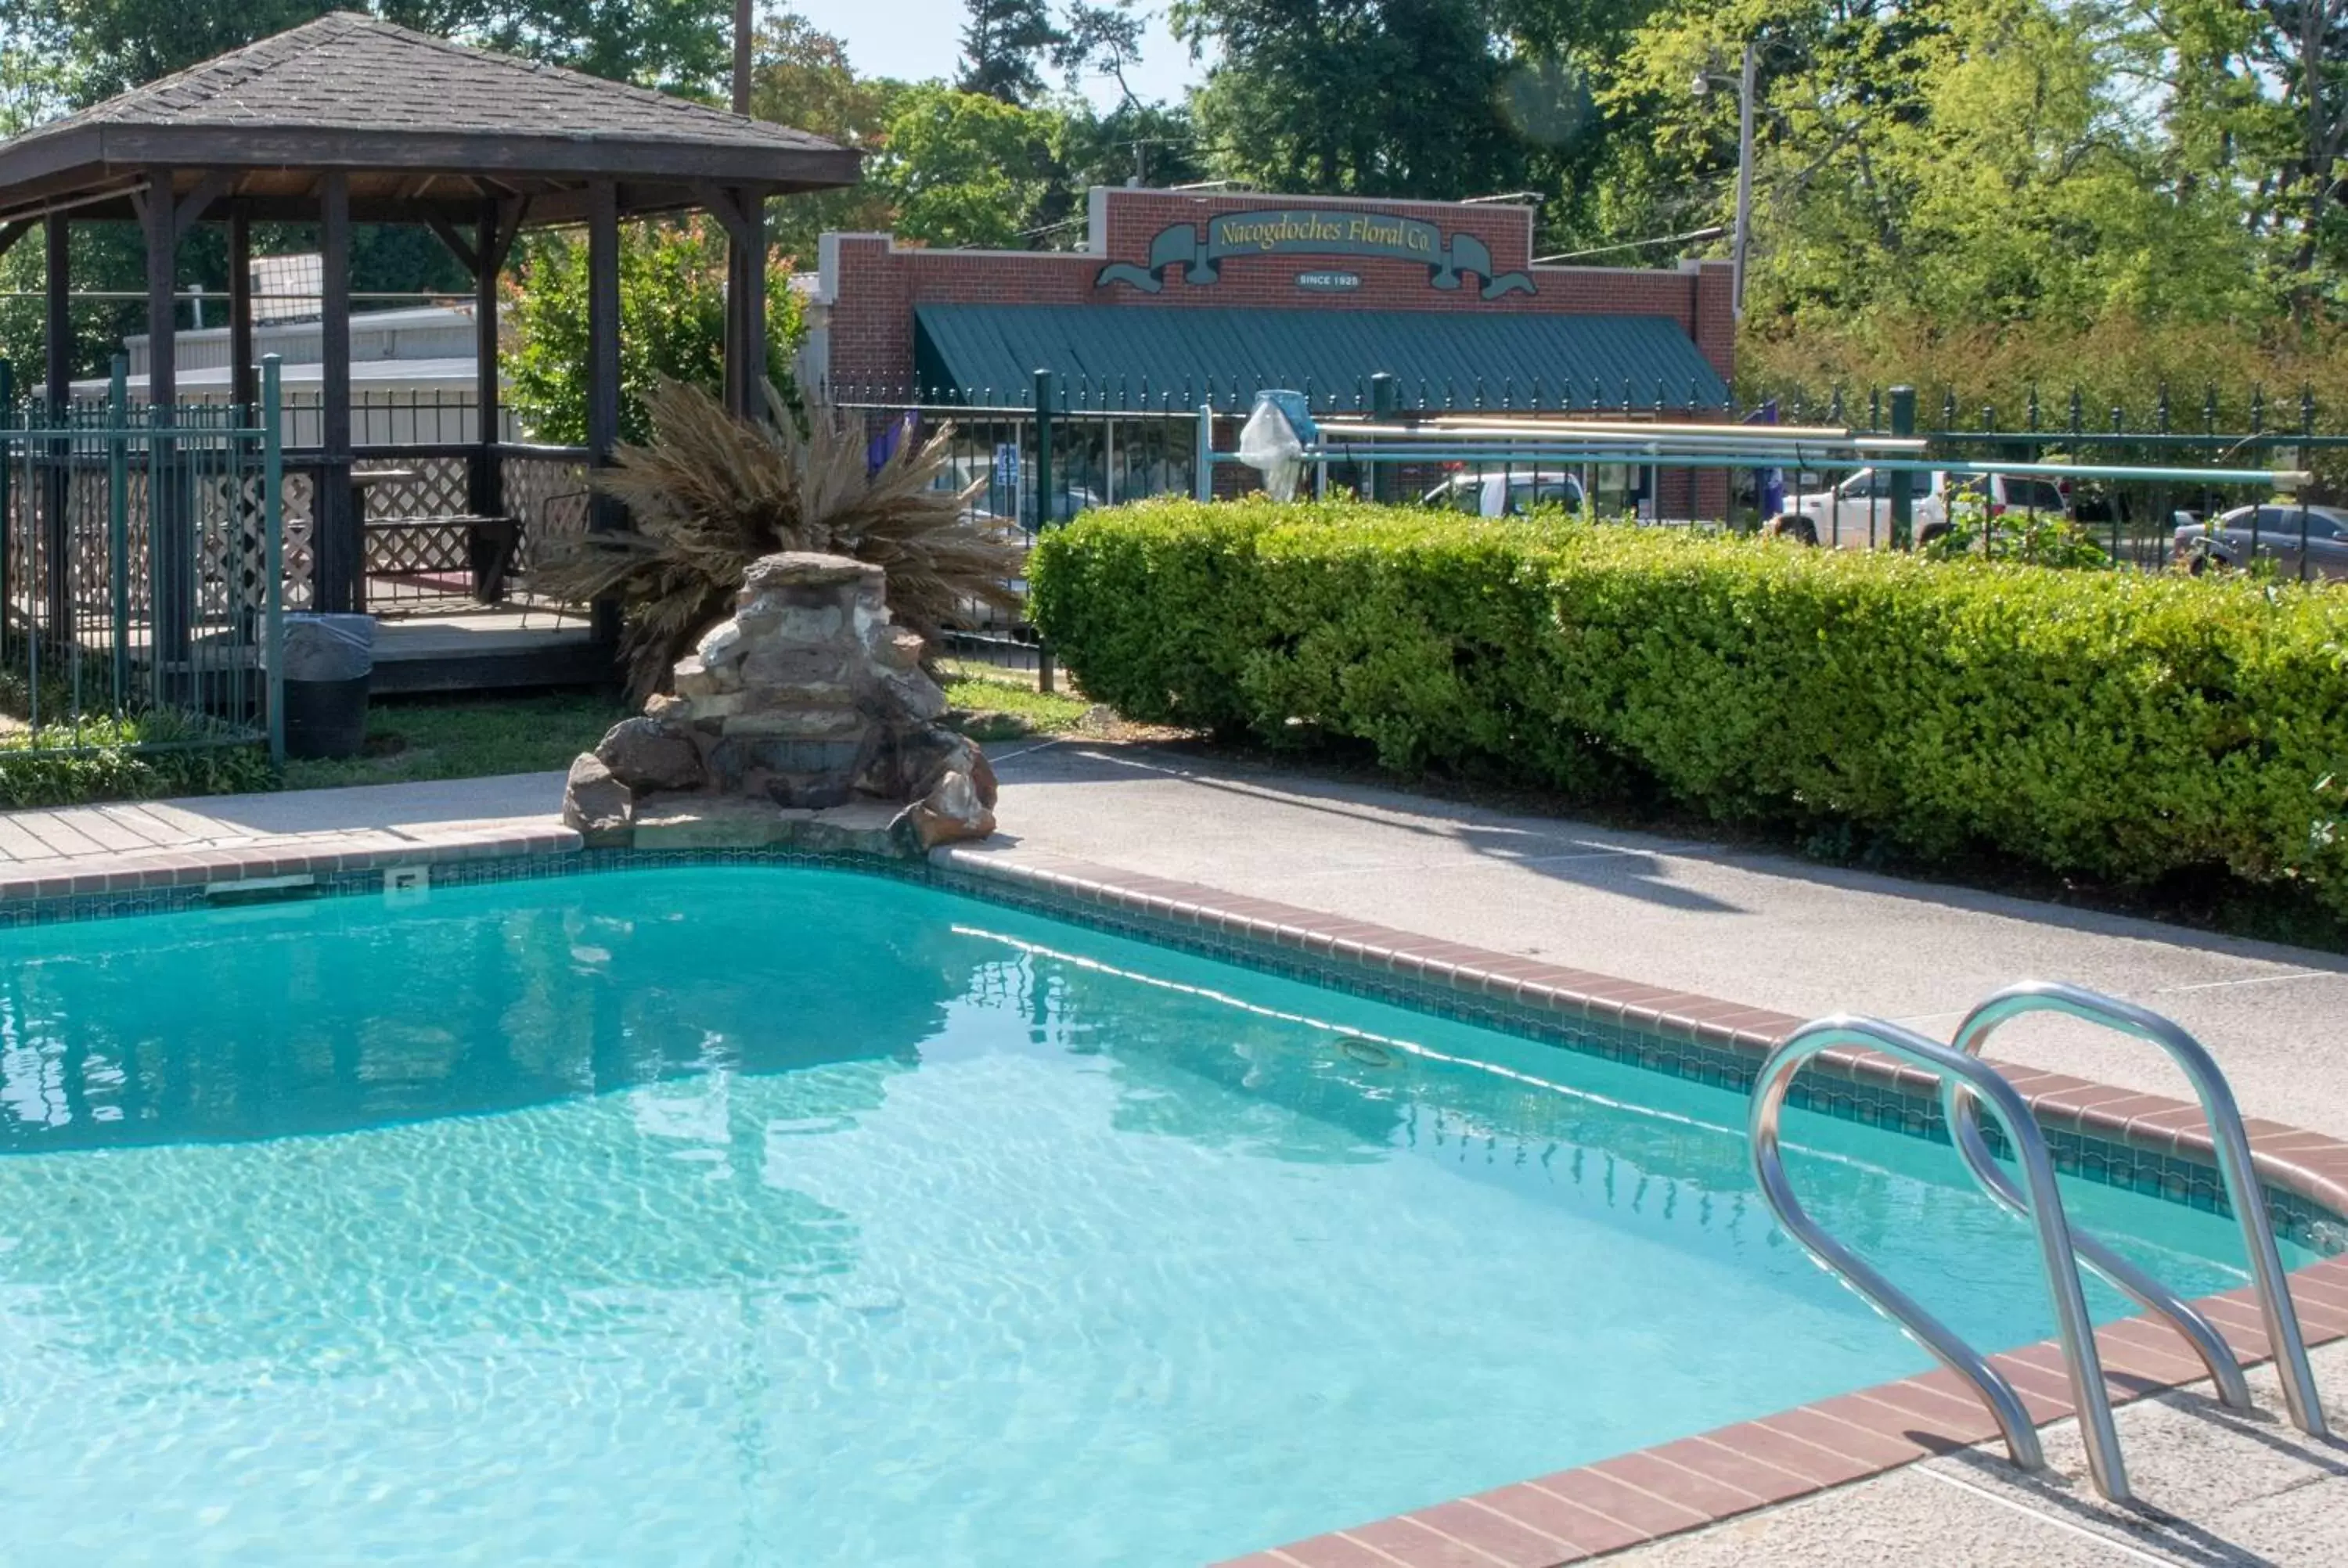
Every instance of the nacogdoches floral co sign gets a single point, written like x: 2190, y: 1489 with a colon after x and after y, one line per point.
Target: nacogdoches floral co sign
x: 1179, y: 248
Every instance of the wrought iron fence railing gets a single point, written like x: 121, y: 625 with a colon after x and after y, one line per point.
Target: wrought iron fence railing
x: 140, y: 568
x: 1088, y: 420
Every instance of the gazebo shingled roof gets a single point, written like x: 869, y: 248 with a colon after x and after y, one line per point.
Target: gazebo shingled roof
x: 421, y: 126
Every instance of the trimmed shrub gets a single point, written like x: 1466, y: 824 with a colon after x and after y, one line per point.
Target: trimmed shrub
x: 2114, y: 724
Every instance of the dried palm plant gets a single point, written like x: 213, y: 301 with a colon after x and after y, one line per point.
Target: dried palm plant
x: 711, y: 493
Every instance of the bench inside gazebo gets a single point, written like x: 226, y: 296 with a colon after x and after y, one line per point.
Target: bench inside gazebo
x: 350, y: 120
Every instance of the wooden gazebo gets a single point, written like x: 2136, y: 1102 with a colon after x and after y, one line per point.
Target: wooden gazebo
x: 352, y: 119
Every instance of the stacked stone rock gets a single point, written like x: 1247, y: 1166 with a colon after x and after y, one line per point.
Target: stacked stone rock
x: 805, y: 720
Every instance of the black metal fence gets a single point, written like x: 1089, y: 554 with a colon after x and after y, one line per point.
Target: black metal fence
x: 1094, y: 420
x: 139, y: 563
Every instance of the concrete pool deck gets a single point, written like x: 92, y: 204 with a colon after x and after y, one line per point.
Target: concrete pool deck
x: 1686, y: 917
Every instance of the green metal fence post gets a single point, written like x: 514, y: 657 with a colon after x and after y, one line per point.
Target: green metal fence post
x: 7, y: 421
x: 1043, y: 498
x: 117, y: 522
x: 1202, y: 464
x: 1903, y: 484
x: 1385, y: 404
x: 273, y: 486
x: 1043, y: 448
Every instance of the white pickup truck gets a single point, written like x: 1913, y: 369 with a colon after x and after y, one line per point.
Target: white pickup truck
x: 1858, y: 511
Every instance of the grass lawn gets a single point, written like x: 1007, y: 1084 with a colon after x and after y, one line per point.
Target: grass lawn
x: 983, y: 690
x: 467, y: 737
x: 457, y: 737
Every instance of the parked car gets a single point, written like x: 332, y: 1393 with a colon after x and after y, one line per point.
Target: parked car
x: 1001, y: 499
x: 2225, y: 540
x: 1858, y: 509
x: 1507, y: 494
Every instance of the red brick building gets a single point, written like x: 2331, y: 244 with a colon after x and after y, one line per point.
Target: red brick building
x: 1179, y: 298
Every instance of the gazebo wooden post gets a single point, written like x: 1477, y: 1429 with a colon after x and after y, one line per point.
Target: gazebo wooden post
x: 747, y: 300
x: 341, y: 546
x: 743, y: 212
x: 485, y: 483
x: 56, y: 480
x: 244, y: 388
x: 604, y: 513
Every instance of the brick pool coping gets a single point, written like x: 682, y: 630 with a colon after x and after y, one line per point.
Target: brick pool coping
x: 1573, y: 1514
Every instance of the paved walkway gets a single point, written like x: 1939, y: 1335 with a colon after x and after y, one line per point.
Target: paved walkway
x: 41, y: 841
x: 1748, y: 927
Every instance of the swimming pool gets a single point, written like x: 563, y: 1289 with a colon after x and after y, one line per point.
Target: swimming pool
x: 754, y: 1215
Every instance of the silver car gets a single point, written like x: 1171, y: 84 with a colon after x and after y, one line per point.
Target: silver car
x: 2227, y: 541
x: 1507, y: 494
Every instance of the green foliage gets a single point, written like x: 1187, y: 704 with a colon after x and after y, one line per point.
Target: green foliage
x: 672, y: 323
x: 2035, y: 539
x: 800, y: 77
x: 2112, y: 725
x: 102, y: 46
x: 1018, y: 707
x: 465, y: 737
x: 1002, y: 48
x: 965, y: 168
x: 144, y: 757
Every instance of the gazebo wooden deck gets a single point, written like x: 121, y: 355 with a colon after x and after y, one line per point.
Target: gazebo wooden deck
x: 349, y: 120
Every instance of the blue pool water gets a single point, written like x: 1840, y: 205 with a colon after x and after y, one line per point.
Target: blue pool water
x: 764, y: 1216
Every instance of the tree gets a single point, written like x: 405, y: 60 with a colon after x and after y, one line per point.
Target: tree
x: 2254, y: 98
x: 1104, y: 40
x: 1003, y: 46
x: 672, y: 323
x: 104, y: 47
x: 964, y: 169
x: 679, y: 45
x: 1967, y: 161
x: 801, y: 78
x: 1448, y: 99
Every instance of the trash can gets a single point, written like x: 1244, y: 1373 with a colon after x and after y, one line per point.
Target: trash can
x: 329, y: 659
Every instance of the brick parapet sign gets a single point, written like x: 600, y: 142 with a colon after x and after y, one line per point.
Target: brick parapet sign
x: 872, y: 284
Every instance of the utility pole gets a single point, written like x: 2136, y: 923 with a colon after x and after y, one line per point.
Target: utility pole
x: 741, y: 267
x: 1738, y: 247
x: 1741, y: 242
x: 743, y: 34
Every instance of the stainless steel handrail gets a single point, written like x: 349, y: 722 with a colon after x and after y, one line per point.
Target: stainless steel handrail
x: 2234, y: 1165
x: 2043, y: 1204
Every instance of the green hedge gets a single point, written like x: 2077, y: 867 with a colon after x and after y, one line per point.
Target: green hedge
x: 2109, y: 724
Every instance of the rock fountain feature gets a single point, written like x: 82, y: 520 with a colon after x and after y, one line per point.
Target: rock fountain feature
x: 805, y: 722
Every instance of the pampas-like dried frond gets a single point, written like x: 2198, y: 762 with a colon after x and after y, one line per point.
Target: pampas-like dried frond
x: 710, y: 494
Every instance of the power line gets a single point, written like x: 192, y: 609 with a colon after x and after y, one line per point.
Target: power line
x: 1714, y: 232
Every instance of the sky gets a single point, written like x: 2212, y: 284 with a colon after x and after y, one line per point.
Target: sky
x: 916, y: 39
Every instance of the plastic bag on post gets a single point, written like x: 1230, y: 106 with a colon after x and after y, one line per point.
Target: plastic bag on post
x: 1273, y: 442
x: 329, y: 646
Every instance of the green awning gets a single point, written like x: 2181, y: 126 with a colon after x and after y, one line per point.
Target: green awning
x: 1122, y: 355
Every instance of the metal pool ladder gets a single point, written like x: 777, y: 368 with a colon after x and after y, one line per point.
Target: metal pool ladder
x: 1966, y: 1082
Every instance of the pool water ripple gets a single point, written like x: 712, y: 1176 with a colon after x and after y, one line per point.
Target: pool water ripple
x: 816, y: 1219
